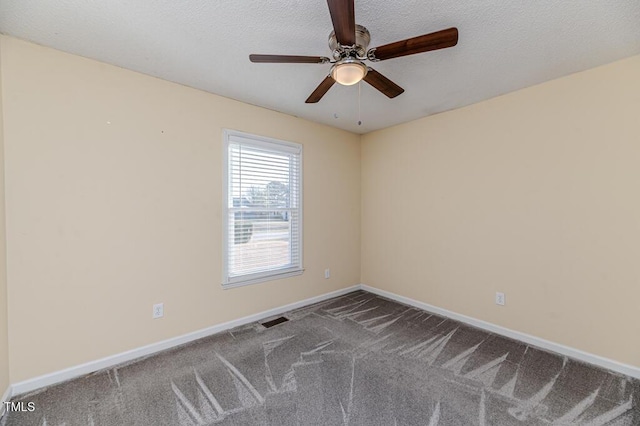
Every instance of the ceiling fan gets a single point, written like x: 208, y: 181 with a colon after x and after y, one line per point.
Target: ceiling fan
x: 348, y: 43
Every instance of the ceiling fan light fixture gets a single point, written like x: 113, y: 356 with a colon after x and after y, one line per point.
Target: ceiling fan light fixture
x: 348, y: 71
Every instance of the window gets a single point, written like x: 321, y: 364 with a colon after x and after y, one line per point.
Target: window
x: 263, y: 212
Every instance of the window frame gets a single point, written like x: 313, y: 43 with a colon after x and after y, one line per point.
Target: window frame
x: 234, y: 136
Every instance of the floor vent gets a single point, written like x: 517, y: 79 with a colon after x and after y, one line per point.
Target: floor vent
x: 273, y: 322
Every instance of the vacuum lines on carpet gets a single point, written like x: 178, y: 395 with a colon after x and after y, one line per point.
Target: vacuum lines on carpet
x: 358, y: 359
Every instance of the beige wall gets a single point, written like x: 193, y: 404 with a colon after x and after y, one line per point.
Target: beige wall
x: 4, y: 350
x: 535, y: 194
x: 114, y: 202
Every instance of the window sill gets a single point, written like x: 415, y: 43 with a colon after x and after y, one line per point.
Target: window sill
x: 240, y: 282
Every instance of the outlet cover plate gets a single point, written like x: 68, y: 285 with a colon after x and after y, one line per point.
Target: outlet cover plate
x: 158, y: 310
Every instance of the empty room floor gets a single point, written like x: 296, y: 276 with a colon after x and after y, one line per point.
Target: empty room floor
x: 358, y: 359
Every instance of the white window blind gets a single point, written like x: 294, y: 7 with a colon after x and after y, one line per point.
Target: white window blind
x: 263, y: 218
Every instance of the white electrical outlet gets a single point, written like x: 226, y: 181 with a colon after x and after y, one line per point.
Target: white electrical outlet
x: 158, y: 310
x: 327, y: 273
x: 500, y: 300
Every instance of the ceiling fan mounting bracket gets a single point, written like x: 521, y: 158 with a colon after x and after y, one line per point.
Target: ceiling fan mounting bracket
x: 371, y: 55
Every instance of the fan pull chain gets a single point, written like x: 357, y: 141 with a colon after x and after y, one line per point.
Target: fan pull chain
x: 359, y: 115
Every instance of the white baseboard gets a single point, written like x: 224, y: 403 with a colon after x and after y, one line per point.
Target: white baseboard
x: 577, y: 354
x: 111, y: 361
x: 5, y: 397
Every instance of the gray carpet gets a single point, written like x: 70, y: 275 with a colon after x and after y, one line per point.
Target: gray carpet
x: 355, y: 360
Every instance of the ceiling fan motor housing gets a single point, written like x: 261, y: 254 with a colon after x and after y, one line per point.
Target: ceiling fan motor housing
x: 359, y: 50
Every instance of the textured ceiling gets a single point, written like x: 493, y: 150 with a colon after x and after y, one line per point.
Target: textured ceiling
x: 503, y: 46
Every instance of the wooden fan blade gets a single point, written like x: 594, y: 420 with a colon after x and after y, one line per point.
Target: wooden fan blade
x: 343, y: 17
x: 320, y: 90
x: 288, y: 59
x: 424, y: 43
x: 382, y: 83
